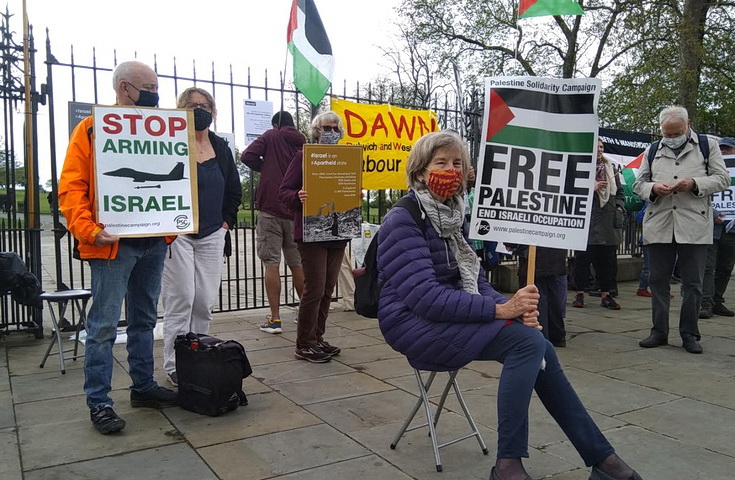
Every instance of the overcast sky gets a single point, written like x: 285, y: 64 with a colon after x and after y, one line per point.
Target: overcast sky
x: 244, y: 33
x: 241, y: 32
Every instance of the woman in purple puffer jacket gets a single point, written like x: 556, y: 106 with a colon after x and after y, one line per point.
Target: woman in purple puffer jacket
x: 438, y: 310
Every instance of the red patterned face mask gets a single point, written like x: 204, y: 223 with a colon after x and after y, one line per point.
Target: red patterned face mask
x: 444, y: 183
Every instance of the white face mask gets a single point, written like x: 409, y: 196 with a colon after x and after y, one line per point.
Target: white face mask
x: 675, y: 142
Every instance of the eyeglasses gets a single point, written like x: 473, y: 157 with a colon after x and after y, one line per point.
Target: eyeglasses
x: 203, y: 106
x: 329, y: 128
x: 148, y: 88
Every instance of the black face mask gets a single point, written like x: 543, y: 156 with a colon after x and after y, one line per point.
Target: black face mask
x: 146, y: 98
x: 202, y: 119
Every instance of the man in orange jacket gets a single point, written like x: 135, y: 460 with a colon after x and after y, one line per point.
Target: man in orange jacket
x: 122, y: 268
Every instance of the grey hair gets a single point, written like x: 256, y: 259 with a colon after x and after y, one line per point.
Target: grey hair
x: 675, y: 112
x: 184, y: 99
x: 123, y: 70
x: 423, y: 152
x: 315, y: 130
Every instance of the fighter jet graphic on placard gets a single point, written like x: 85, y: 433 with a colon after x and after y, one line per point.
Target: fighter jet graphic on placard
x: 176, y: 173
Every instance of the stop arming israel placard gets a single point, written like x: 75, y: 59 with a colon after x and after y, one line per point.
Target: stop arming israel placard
x: 145, y: 177
x: 536, y: 171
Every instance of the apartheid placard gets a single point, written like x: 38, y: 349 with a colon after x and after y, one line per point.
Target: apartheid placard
x: 145, y: 177
x: 333, y: 180
x: 386, y: 134
x: 536, y: 171
x: 724, y: 201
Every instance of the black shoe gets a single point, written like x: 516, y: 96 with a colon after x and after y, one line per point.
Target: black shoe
x: 313, y: 355
x: 578, y: 301
x: 105, y: 420
x: 173, y: 379
x: 720, y: 309
x: 598, y: 474
x: 494, y: 475
x: 691, y: 345
x: 330, y: 350
x: 653, y: 341
x: 560, y: 343
x: 609, y: 303
x: 595, y: 292
x: 706, y: 311
x: 156, y: 397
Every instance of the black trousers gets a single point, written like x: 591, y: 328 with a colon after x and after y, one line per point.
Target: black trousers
x: 720, y: 261
x: 692, y: 260
x: 603, y: 258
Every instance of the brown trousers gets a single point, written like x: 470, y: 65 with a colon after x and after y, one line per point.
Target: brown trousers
x: 321, y: 268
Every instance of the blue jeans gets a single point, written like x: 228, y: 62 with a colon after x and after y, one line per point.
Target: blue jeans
x: 520, y: 350
x: 135, y: 275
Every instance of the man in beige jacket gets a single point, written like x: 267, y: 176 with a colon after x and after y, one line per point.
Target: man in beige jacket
x: 678, y: 222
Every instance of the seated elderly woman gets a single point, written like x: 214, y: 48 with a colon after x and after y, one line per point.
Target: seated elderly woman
x: 441, y: 313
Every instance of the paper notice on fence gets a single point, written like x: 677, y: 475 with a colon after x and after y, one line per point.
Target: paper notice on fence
x: 146, y: 179
x: 333, y: 180
x: 536, y: 171
x: 258, y: 116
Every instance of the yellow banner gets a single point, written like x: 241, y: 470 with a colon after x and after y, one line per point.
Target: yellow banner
x: 386, y: 134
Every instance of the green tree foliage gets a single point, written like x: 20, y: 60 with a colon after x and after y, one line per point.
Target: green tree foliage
x: 685, y: 63
x: 487, y: 37
x: 12, y: 172
x: 649, y: 53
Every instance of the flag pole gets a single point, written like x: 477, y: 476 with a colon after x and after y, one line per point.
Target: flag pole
x: 283, y: 77
x: 30, y: 153
x: 531, y: 272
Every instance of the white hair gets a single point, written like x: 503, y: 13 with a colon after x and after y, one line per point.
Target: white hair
x: 122, y: 72
x: 675, y: 112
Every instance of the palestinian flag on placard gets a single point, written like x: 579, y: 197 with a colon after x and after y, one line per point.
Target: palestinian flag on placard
x: 538, y: 8
x: 548, y: 121
x: 313, y: 62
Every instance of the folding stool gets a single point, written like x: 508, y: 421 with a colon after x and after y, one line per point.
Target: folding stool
x: 424, y: 399
x: 78, y: 299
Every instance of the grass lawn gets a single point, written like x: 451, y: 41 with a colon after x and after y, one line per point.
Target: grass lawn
x: 20, y: 196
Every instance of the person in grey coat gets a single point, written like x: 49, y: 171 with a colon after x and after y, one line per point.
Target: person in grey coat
x: 678, y: 221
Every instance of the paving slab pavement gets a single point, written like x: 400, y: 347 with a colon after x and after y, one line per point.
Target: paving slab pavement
x: 670, y: 414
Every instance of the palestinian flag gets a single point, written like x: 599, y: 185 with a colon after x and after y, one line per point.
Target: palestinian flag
x: 539, y: 8
x: 556, y: 122
x: 313, y: 63
x: 626, y: 149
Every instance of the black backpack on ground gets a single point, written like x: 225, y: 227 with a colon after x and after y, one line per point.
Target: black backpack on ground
x: 367, y: 289
x: 210, y: 373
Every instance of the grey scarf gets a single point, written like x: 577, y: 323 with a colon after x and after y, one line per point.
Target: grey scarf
x: 447, y: 219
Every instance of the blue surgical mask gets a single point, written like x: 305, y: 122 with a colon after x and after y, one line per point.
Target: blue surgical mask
x: 675, y: 142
